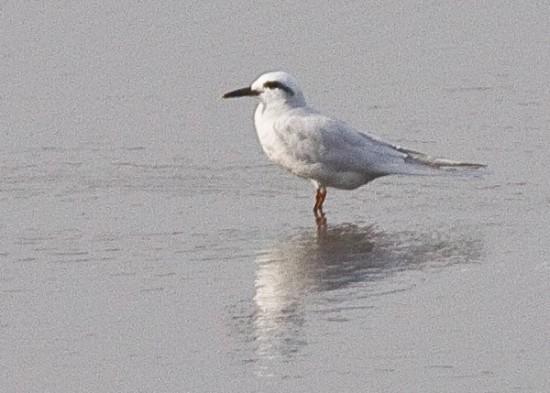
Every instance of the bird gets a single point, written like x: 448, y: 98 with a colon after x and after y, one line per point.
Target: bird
x: 323, y: 149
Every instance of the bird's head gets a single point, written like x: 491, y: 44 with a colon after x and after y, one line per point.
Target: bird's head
x: 273, y: 87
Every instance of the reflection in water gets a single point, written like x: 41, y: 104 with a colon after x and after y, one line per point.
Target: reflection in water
x: 335, y: 269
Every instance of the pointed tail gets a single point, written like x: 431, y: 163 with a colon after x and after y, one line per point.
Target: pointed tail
x: 436, y: 162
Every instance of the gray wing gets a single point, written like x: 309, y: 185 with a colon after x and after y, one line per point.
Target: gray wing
x: 322, y: 140
x: 342, y: 148
x: 347, y: 146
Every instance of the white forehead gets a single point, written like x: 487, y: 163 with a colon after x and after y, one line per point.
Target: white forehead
x: 276, y: 76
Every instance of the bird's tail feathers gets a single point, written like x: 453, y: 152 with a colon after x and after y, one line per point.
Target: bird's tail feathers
x: 436, y: 162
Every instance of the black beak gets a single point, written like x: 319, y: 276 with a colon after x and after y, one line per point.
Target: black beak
x: 247, y: 91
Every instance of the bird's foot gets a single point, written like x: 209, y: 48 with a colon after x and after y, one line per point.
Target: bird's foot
x: 320, y: 218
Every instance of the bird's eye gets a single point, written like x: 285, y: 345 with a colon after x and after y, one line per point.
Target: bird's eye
x: 278, y: 85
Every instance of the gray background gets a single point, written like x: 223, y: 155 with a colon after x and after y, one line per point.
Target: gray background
x: 146, y: 244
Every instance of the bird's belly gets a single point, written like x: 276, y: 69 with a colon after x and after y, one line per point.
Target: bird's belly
x: 347, y: 180
x: 343, y: 180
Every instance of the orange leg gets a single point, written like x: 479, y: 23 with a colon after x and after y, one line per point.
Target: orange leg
x: 319, y: 200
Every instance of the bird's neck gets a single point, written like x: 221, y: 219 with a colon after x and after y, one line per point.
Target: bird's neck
x: 281, y: 106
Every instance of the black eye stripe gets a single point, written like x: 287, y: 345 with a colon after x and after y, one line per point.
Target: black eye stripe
x: 278, y: 85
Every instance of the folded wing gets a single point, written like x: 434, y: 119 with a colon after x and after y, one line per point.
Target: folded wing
x: 342, y: 148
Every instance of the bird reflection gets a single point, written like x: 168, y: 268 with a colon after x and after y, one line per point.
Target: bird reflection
x: 322, y: 271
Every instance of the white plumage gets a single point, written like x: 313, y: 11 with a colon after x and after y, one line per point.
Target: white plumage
x: 323, y: 149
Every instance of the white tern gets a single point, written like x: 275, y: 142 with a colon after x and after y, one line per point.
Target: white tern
x: 323, y: 149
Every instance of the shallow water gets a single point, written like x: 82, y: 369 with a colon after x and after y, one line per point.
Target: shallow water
x: 146, y: 244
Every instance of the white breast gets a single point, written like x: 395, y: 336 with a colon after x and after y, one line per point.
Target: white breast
x: 269, y: 139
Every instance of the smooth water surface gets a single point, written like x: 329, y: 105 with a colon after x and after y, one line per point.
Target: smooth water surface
x: 146, y: 244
